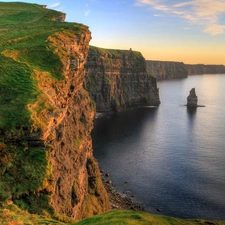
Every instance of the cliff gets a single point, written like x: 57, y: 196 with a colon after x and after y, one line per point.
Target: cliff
x: 46, y: 162
x: 118, y: 78
x: 199, y: 69
x: 166, y: 70
x: 170, y: 70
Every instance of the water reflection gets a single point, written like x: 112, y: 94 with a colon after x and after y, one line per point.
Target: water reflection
x: 191, y: 114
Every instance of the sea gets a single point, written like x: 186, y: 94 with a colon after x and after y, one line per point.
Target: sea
x: 169, y: 159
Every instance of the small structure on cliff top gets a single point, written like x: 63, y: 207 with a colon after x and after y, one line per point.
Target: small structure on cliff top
x: 192, y: 99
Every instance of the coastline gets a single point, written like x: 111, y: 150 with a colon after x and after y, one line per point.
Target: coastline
x: 118, y: 200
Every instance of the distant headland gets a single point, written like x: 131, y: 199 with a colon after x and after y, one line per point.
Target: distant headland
x: 170, y: 70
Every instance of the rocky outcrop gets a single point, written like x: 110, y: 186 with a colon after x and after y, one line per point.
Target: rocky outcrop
x: 199, y: 69
x: 46, y: 162
x: 117, y: 79
x: 78, y: 190
x: 166, y: 70
x: 192, y: 99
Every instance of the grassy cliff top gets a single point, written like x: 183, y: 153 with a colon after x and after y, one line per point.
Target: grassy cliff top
x: 114, y: 52
x: 13, y: 215
x: 24, y: 29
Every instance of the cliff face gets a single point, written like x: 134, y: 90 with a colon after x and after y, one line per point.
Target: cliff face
x: 78, y: 191
x: 117, y: 79
x: 166, y: 70
x: 198, y: 69
x: 170, y: 70
x: 46, y: 161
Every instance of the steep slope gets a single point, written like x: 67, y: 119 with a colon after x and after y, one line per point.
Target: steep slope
x: 166, y: 70
x: 117, y: 79
x: 46, y: 162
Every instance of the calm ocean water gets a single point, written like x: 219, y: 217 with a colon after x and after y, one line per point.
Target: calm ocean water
x: 173, y: 159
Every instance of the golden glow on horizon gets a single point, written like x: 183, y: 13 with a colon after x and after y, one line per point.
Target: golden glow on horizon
x: 188, y: 57
x: 186, y: 51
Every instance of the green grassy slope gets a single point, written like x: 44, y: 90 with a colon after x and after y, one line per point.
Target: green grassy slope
x: 24, y: 29
x: 26, y: 57
x: 16, y: 216
x: 140, y: 218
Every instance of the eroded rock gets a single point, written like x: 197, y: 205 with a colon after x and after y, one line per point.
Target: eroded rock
x: 192, y: 99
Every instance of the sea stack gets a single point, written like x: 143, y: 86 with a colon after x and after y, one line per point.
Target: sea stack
x: 192, y: 99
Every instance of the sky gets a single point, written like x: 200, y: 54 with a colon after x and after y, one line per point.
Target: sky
x: 189, y: 31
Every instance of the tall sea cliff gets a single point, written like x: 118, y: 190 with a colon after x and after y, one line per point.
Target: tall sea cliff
x: 166, y: 70
x: 198, y: 69
x: 117, y: 79
x: 171, y: 70
x: 46, y: 115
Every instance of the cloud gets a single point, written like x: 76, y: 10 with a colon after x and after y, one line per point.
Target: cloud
x: 156, y: 15
x: 54, y: 5
x: 205, y: 13
x: 87, y: 12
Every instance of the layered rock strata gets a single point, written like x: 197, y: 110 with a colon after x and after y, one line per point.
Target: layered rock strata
x: 198, y: 69
x: 166, y: 70
x: 118, y: 79
x: 78, y: 191
x: 172, y: 70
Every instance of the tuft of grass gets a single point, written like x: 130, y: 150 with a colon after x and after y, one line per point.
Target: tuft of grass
x: 26, y: 177
x: 12, y: 215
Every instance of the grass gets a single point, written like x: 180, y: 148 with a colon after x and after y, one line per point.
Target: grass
x: 26, y: 177
x: 12, y: 215
x: 114, y: 52
x: 24, y: 30
x: 140, y: 218
x: 27, y: 58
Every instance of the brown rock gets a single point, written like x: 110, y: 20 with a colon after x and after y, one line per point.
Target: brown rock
x: 118, y: 79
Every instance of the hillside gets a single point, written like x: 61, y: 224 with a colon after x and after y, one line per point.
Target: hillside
x: 14, y: 215
x: 46, y: 116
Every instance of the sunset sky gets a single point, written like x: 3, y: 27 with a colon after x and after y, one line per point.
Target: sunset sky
x: 168, y: 30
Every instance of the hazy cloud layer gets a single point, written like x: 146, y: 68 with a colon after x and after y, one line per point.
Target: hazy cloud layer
x: 87, y: 12
x: 205, y: 13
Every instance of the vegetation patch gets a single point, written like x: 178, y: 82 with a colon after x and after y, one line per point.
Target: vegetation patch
x: 140, y: 218
x: 29, y: 63
x: 25, y: 47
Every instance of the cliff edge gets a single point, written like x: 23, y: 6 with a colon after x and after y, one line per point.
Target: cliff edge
x: 46, y: 115
x: 162, y: 70
x: 118, y: 79
x: 166, y: 70
x: 198, y: 69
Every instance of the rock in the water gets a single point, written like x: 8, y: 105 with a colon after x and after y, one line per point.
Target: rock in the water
x: 192, y: 99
